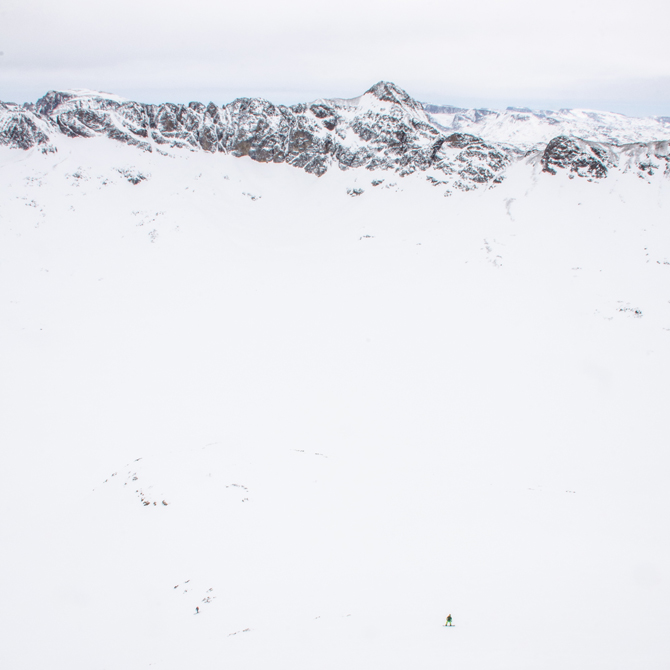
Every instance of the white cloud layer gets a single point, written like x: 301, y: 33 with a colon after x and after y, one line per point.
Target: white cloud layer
x: 589, y: 53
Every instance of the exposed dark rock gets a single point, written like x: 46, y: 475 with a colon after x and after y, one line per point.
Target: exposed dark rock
x: 47, y: 103
x: 133, y: 175
x: 460, y: 140
x: 583, y: 158
x: 21, y: 129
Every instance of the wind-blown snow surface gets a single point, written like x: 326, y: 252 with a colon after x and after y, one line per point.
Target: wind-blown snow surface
x: 329, y: 421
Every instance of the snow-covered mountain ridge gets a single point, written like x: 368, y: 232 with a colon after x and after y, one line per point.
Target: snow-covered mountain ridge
x: 385, y: 128
x: 529, y: 129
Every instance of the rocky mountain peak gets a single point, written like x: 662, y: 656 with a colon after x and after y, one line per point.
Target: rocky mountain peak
x: 52, y: 99
x: 387, y: 91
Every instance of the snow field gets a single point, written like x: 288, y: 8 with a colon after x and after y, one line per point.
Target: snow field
x: 363, y: 413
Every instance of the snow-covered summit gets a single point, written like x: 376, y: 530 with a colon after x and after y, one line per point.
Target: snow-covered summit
x: 388, y: 92
x: 384, y: 99
x: 81, y: 97
x: 382, y: 92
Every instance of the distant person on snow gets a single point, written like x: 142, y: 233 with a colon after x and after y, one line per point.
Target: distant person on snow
x: 448, y: 621
x: 197, y: 610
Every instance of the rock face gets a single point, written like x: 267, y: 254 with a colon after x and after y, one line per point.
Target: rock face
x: 21, y: 129
x: 586, y: 159
x: 382, y: 129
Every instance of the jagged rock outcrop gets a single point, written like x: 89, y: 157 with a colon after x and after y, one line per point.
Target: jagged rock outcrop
x: 586, y: 159
x: 20, y: 128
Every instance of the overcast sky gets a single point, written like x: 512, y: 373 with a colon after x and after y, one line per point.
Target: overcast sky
x: 598, y: 54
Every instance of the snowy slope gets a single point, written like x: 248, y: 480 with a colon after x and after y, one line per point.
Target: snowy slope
x: 329, y: 421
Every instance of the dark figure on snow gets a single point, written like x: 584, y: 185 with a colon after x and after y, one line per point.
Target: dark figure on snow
x: 197, y: 610
x: 448, y: 621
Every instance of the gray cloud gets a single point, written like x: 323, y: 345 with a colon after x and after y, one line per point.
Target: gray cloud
x: 519, y: 52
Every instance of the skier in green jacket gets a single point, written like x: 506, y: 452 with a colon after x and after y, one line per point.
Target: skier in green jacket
x: 448, y: 621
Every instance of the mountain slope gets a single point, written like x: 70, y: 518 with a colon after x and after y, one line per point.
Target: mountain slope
x: 329, y: 421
